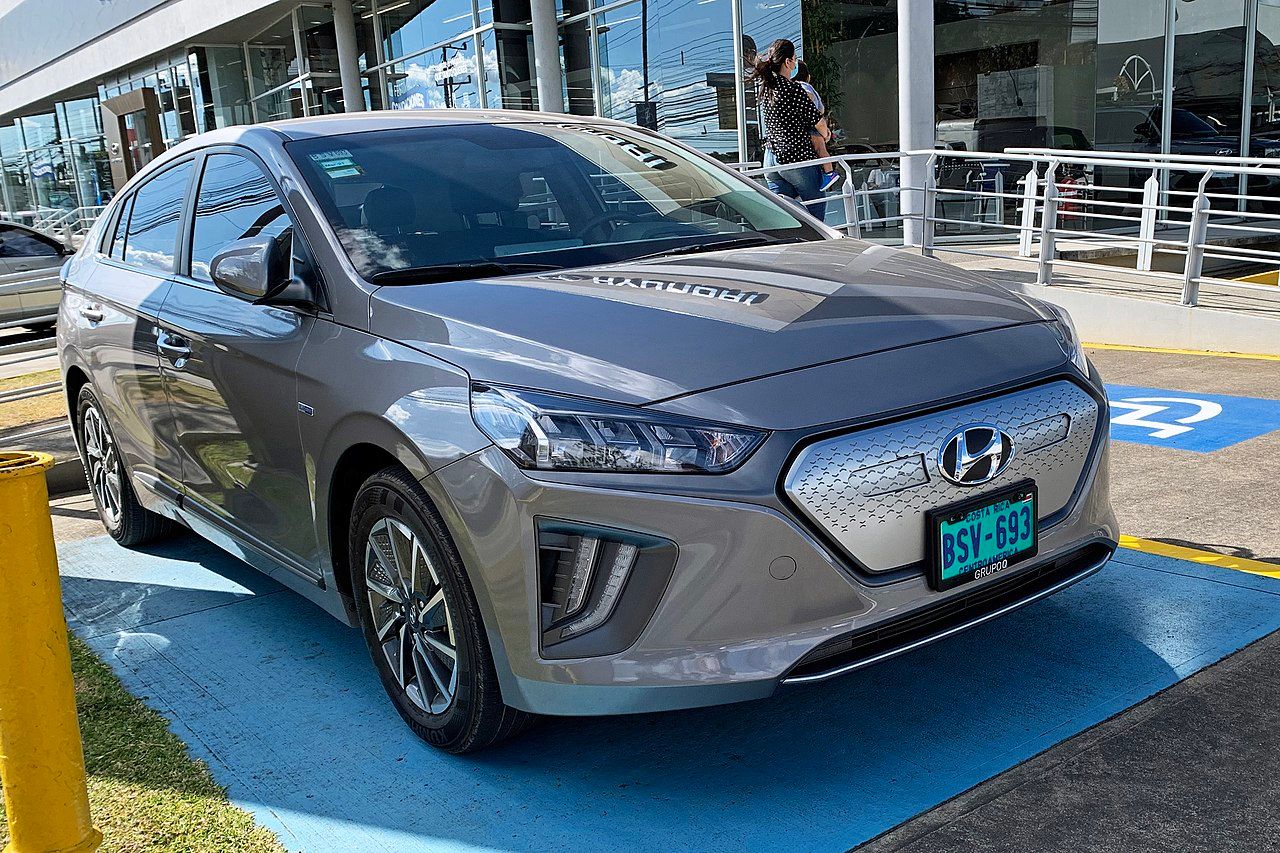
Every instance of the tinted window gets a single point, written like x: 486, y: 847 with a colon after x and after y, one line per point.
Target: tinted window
x: 21, y: 244
x: 559, y: 195
x: 236, y: 201
x: 153, y: 224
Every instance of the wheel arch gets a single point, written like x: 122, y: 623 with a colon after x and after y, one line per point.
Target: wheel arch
x: 357, y: 447
x: 73, y: 379
x: 354, y: 465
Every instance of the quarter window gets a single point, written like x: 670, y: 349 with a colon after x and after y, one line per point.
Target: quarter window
x: 116, y: 249
x: 236, y: 201
x: 154, y: 222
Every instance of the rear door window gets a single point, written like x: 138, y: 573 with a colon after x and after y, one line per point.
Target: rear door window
x: 155, y: 220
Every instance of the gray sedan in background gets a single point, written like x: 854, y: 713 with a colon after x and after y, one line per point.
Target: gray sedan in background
x: 569, y: 418
x: 29, y: 286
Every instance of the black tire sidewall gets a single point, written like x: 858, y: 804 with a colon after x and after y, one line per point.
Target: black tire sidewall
x: 384, y: 496
x: 84, y: 401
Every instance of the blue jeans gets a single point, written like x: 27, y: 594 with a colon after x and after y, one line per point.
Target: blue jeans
x: 803, y: 183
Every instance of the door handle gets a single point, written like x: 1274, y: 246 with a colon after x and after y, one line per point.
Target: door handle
x: 174, y: 348
x: 93, y: 314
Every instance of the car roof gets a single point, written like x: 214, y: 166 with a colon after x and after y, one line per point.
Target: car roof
x: 288, y: 130
x: 338, y: 123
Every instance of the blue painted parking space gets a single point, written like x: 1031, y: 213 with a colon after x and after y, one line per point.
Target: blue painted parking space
x: 283, y: 704
x: 1185, y: 420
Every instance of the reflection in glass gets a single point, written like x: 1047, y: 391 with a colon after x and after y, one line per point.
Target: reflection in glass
x: 1208, y: 77
x: 222, y: 87
x: 444, y: 77
x: 1266, y: 79
x: 579, y: 92
x: 236, y: 201
x: 416, y: 25
x: 763, y: 21
x: 280, y: 104
x: 663, y: 66
x: 152, y: 240
x: 273, y: 57
x: 854, y: 66
x: 508, y: 69
x: 624, y: 69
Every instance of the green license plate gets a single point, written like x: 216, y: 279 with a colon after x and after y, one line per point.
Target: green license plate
x: 982, y: 536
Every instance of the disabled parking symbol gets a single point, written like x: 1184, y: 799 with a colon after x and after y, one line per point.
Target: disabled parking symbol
x: 1188, y: 421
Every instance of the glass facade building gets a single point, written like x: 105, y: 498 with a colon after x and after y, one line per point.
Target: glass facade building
x: 1180, y: 76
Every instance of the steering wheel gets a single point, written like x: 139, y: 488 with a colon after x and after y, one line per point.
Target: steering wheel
x: 610, y: 216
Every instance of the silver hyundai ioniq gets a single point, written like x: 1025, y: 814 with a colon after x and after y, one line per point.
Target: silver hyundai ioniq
x: 569, y: 418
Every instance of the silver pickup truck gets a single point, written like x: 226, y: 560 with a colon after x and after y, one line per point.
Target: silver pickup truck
x: 29, y: 286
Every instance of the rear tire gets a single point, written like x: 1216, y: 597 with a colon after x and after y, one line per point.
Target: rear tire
x: 127, y: 521
x: 420, y: 619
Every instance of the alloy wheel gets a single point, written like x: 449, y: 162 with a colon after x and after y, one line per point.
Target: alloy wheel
x: 411, y: 615
x: 103, y: 463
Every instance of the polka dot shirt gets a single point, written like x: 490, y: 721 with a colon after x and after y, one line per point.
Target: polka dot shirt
x: 789, y: 116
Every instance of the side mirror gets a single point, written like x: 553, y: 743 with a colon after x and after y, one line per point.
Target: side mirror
x: 253, y: 268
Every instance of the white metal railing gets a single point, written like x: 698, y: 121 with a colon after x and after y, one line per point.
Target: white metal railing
x: 31, y: 351
x: 1165, y: 210
x: 65, y: 223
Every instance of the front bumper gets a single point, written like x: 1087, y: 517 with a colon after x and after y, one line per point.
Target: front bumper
x: 725, y: 629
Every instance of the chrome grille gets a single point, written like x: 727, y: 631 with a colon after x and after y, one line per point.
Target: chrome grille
x: 869, y: 489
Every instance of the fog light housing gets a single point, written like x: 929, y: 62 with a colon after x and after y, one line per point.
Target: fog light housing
x: 598, y: 586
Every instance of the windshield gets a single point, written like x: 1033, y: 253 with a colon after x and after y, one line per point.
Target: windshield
x: 556, y: 195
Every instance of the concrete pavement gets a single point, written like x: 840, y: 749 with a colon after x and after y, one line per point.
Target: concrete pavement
x: 988, y: 740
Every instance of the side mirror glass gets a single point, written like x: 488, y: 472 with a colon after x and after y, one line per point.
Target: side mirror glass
x: 253, y: 268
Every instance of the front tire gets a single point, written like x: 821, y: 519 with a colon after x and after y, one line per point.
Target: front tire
x: 126, y: 520
x: 420, y: 619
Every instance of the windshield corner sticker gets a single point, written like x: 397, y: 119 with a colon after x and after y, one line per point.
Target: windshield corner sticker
x: 1185, y: 420
x: 337, y: 164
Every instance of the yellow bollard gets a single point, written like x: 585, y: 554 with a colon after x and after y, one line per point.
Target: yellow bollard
x: 41, y: 758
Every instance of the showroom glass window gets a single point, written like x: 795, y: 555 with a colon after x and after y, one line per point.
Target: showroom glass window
x: 1208, y: 75
x: 152, y: 239
x: 435, y: 63
x: 663, y: 66
x: 236, y: 200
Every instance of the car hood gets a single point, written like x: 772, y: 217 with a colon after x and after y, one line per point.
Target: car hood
x: 641, y: 332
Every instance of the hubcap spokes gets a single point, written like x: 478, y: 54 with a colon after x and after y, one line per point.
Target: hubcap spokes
x: 411, y: 615
x: 103, y: 464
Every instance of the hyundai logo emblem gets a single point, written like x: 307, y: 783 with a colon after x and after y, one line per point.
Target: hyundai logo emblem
x: 975, y: 454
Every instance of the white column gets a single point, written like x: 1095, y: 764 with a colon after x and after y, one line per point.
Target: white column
x: 915, y: 107
x: 546, y: 56
x: 344, y: 28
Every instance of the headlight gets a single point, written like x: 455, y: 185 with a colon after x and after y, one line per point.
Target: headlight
x: 551, y: 433
x: 1065, y: 328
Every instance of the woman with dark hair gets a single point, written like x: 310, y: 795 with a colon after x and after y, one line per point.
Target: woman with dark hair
x: 790, y: 118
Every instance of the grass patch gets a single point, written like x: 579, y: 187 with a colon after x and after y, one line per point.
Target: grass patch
x: 33, y: 410
x: 145, y: 792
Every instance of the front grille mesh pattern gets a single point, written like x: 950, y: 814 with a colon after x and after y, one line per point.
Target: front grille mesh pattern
x: 869, y: 489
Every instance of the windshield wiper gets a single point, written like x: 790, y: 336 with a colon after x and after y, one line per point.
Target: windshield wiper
x: 455, y: 272
x: 717, y: 245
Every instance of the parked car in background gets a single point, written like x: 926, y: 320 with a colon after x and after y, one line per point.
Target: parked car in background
x: 568, y: 417
x: 29, y: 286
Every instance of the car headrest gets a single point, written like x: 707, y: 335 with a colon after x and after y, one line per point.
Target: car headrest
x: 487, y: 190
x: 389, y: 209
